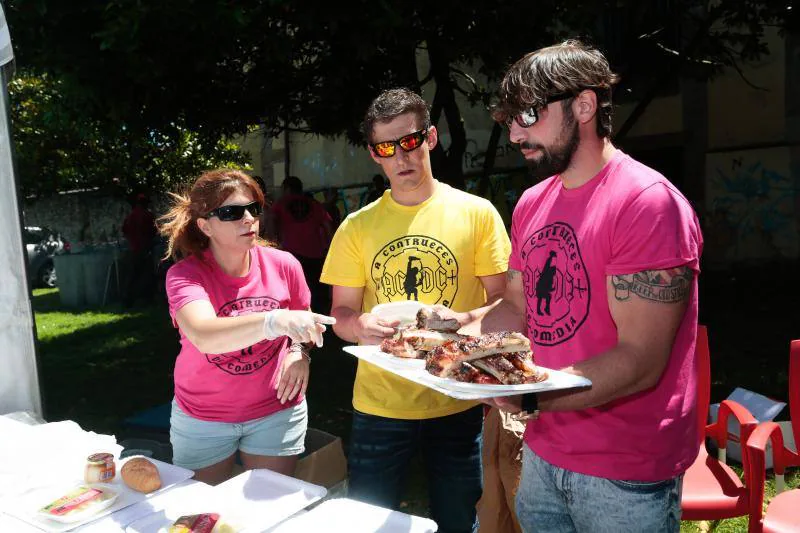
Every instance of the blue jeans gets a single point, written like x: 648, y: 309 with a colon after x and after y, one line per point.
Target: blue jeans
x: 381, y: 450
x: 553, y: 500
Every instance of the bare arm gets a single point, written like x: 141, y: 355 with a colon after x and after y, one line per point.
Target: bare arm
x: 505, y: 314
x: 494, y: 285
x: 351, y: 324
x: 213, y: 334
x: 647, y: 308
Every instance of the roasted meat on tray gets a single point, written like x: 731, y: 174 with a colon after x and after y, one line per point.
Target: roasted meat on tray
x: 415, y: 343
x: 494, y: 358
x: 505, y: 356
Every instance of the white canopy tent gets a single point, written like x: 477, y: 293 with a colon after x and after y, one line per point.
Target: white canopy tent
x: 19, y: 381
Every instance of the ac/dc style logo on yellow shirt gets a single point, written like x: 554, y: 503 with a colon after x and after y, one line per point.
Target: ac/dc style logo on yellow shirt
x: 415, y: 267
x: 255, y: 357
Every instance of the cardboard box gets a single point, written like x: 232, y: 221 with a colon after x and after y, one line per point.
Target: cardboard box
x: 763, y: 409
x: 323, y: 462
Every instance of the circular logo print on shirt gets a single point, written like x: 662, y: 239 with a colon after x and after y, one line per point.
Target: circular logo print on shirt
x: 415, y: 267
x: 255, y: 357
x: 556, y: 284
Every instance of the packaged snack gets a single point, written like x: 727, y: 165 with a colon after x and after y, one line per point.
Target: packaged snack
x: 79, y: 503
x: 201, y: 523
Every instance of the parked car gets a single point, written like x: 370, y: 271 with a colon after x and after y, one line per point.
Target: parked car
x: 41, y: 244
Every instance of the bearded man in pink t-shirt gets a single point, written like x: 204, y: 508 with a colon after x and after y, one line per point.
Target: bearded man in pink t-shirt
x: 603, y: 279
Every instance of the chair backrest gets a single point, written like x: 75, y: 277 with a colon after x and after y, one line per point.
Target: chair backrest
x: 794, y: 391
x: 702, y: 355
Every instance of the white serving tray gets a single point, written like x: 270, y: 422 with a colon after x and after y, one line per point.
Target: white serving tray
x: 25, y: 506
x: 254, y: 500
x: 414, y: 370
x: 350, y: 516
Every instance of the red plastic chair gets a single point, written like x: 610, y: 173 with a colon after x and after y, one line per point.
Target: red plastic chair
x: 711, y: 489
x: 783, y: 513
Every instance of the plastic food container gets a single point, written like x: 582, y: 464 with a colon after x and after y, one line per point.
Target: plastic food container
x: 79, y: 503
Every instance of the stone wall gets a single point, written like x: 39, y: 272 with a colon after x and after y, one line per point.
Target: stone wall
x: 84, y: 218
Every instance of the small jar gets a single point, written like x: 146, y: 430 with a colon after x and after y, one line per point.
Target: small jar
x: 100, y: 468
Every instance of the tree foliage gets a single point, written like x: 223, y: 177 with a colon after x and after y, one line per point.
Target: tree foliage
x: 59, y: 148
x: 217, y: 67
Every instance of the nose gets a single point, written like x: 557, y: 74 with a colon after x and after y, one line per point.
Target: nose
x: 516, y: 134
x: 248, y: 217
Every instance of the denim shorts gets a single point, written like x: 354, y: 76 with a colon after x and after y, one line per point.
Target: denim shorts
x: 554, y: 500
x: 200, y: 443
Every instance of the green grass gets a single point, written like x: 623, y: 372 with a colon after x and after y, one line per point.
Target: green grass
x: 99, y: 366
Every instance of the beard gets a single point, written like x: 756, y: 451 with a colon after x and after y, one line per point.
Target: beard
x: 557, y: 158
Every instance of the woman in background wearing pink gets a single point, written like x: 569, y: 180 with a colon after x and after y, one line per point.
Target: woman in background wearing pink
x: 241, y: 309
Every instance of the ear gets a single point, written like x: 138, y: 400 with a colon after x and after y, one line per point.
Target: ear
x: 202, y: 224
x: 373, y: 156
x: 584, y: 107
x: 433, y: 137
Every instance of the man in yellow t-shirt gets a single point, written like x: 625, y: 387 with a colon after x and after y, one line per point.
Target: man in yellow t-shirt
x: 423, y: 241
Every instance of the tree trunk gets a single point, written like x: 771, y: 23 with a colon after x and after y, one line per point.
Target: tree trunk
x: 453, y: 170
x: 488, y: 159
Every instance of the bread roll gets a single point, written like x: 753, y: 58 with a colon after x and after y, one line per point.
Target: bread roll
x: 141, y: 475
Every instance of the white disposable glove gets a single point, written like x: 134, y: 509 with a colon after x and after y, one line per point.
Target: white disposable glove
x: 300, y: 326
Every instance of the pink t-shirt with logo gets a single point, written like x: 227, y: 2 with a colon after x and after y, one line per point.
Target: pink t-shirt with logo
x: 566, y: 242
x: 236, y: 386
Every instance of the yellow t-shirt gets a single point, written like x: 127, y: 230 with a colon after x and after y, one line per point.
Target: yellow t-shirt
x: 432, y: 252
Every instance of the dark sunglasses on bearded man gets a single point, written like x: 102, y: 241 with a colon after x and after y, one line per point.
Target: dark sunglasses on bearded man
x: 530, y: 116
x: 408, y: 143
x: 229, y: 213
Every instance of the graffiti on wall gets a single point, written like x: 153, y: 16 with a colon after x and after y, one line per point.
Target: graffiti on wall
x: 475, y: 154
x: 751, y: 211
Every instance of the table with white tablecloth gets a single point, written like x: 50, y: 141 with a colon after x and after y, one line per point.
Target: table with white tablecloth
x: 254, y: 501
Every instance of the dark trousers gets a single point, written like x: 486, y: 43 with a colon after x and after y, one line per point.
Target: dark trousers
x: 140, y: 282
x: 381, y: 450
x: 312, y: 270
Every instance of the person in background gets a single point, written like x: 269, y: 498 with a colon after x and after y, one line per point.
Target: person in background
x: 139, y: 229
x: 455, y: 247
x: 502, y: 464
x: 332, y: 206
x: 241, y: 309
x: 377, y: 189
x: 303, y: 228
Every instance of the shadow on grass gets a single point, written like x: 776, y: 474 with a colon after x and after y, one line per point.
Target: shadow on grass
x: 101, y: 374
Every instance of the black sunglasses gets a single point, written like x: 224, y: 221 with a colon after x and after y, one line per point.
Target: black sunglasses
x: 228, y: 213
x: 408, y: 143
x: 528, y: 118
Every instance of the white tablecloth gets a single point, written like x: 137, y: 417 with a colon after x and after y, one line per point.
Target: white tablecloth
x: 250, y: 496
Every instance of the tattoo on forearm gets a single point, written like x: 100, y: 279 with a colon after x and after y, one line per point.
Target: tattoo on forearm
x: 511, y: 274
x: 666, y: 286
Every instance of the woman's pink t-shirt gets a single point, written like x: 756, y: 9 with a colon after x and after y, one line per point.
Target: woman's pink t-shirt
x: 566, y: 242
x: 236, y: 386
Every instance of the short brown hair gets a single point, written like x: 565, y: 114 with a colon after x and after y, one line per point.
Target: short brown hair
x: 179, y: 224
x: 569, y: 67
x: 393, y: 103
